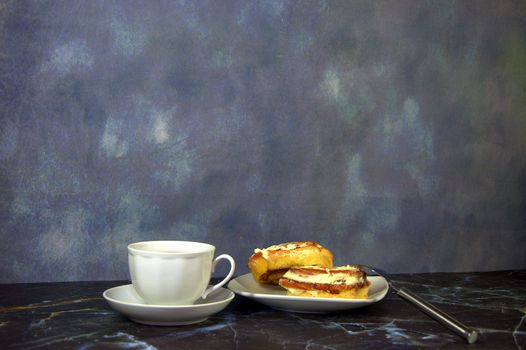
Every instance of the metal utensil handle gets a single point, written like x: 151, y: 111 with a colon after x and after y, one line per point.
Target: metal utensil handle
x: 470, y: 334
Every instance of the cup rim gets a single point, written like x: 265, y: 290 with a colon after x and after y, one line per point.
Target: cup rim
x: 196, y: 249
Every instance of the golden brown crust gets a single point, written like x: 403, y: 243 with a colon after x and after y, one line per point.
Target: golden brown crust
x: 362, y: 293
x: 270, y: 264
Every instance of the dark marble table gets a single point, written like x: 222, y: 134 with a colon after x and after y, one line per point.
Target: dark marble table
x: 74, y: 315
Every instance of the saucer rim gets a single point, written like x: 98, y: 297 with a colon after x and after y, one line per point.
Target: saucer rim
x: 105, y: 295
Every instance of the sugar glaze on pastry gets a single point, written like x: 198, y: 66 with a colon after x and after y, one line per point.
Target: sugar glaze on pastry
x: 284, y: 246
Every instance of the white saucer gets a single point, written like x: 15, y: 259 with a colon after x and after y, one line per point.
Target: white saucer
x: 124, y: 300
x: 277, y: 298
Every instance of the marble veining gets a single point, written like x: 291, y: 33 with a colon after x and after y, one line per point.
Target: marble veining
x: 74, y: 315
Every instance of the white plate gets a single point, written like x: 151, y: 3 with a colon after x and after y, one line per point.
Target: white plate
x: 277, y: 298
x: 124, y: 300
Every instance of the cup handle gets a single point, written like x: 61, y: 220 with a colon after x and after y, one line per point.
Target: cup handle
x: 213, y: 288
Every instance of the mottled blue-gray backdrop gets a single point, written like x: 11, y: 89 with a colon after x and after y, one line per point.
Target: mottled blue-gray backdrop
x: 393, y: 132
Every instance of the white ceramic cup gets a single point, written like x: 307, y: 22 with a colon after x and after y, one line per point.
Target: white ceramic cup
x: 174, y: 272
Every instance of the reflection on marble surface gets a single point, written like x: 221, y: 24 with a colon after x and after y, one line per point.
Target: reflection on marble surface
x: 74, y: 315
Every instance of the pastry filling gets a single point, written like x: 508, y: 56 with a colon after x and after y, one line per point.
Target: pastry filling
x: 332, y: 280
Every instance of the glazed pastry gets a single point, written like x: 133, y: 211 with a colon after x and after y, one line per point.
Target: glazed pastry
x: 337, y: 282
x: 270, y: 264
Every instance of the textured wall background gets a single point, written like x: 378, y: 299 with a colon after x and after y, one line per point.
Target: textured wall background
x: 394, y: 132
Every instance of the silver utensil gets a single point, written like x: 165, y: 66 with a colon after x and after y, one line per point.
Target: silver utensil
x: 470, y: 334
